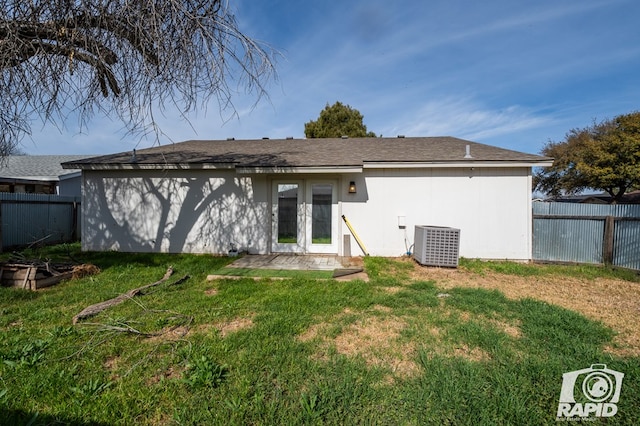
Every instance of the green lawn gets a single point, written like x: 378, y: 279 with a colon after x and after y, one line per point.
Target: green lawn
x: 296, y: 351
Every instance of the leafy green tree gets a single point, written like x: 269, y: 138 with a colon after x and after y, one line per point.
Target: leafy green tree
x: 122, y: 58
x: 604, y: 156
x: 336, y: 121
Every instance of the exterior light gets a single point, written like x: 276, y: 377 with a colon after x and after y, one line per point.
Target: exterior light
x: 352, y: 187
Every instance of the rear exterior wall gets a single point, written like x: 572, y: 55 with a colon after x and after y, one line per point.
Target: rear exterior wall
x: 490, y: 206
x: 174, y: 211
x: 206, y: 211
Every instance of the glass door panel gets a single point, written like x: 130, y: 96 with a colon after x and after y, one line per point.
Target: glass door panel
x: 287, y: 217
x: 321, y: 217
x: 287, y: 213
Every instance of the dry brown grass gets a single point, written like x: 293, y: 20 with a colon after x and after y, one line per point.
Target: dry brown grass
x: 512, y: 330
x: 234, y: 325
x: 473, y: 354
x: 372, y: 337
x: 169, y: 334
x: 111, y: 363
x: 392, y: 290
x: 83, y: 270
x: 211, y: 291
x: 616, y: 303
x: 375, y: 336
x: 375, y: 339
x: 172, y: 372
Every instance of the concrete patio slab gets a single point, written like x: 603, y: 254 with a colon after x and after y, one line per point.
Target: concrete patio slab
x: 293, y: 262
x: 345, y: 268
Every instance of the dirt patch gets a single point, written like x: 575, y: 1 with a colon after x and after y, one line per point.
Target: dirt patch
x: 211, y: 292
x: 367, y: 334
x: 176, y: 333
x: 512, y: 330
x: 375, y: 339
x: 236, y: 324
x: 312, y: 332
x: 111, y: 363
x: 169, y: 374
x: 392, y: 290
x: 472, y: 354
x: 169, y: 334
x: 372, y: 337
x: 616, y: 303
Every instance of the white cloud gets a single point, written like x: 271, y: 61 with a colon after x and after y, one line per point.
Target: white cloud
x: 465, y: 118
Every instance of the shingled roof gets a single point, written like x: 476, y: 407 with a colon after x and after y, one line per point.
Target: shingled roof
x: 305, y: 153
x: 36, y: 167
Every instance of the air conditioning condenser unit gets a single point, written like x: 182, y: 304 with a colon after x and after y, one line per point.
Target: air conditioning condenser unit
x: 436, y: 246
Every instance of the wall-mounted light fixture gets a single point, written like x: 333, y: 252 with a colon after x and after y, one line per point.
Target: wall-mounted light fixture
x: 352, y: 187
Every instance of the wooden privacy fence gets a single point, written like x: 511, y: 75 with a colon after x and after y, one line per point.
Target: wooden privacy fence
x: 26, y: 219
x: 587, y: 233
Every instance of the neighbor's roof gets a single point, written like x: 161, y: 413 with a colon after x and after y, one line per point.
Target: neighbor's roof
x: 36, y: 167
x: 336, y: 153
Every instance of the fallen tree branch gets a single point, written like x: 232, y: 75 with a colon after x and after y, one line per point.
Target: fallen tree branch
x: 125, y: 328
x: 181, y: 280
x: 99, y: 307
x: 173, y: 334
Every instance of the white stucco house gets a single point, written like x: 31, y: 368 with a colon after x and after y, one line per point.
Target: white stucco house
x: 290, y: 196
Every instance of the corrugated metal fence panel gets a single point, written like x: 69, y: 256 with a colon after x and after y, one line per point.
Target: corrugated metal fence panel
x: 571, y: 209
x: 626, y: 239
x: 576, y: 239
x: 568, y: 239
x: 28, y: 218
x: 626, y: 210
x: 626, y: 246
x: 60, y: 222
x: 564, y: 240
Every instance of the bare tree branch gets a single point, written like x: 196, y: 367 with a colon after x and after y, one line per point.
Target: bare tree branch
x: 125, y: 58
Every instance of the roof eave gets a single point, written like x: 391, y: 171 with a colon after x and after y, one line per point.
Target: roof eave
x: 311, y: 169
x: 299, y: 169
x: 149, y: 166
x: 453, y: 164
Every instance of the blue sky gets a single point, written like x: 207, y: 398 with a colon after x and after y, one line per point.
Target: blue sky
x: 513, y: 74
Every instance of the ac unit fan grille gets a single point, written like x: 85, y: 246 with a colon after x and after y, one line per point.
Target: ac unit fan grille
x: 436, y: 246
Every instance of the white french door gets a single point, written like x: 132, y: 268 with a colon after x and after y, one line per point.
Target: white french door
x: 287, y: 213
x: 321, y: 211
x: 304, y: 216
